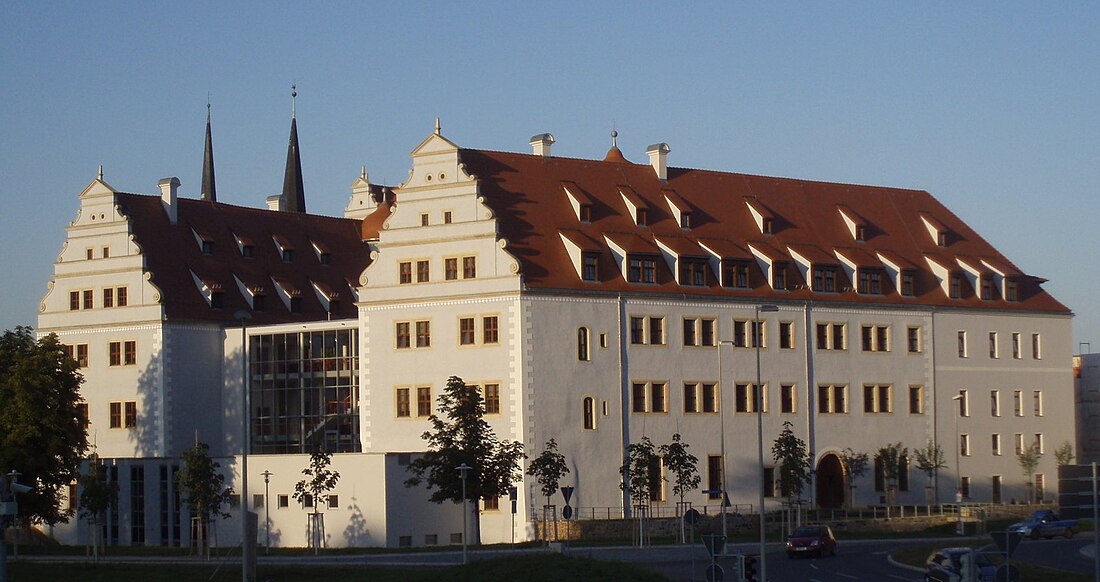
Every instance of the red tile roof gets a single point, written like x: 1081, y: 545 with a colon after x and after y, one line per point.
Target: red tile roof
x: 525, y: 191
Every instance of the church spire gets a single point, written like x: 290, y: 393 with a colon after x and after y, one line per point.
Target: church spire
x: 294, y: 195
x: 209, y: 190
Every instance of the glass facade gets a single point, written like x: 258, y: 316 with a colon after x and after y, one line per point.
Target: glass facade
x: 305, y: 392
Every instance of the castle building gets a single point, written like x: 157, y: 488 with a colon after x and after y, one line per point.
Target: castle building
x: 592, y: 301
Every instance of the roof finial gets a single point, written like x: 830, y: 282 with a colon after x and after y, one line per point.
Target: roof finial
x: 363, y: 173
x: 614, y: 138
x: 100, y: 172
x: 208, y: 106
x: 294, y: 101
x: 437, y: 127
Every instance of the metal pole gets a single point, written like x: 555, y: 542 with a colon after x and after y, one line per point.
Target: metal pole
x: 267, y: 508
x: 958, y: 467
x: 758, y: 339
x: 463, y: 468
x: 722, y: 430
x: 1095, y: 528
x: 246, y: 551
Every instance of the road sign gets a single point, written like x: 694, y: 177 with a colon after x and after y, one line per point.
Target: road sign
x: 1007, y: 573
x: 715, y: 544
x: 567, y: 492
x: 1007, y: 541
x: 566, y: 512
x: 715, y: 573
x: 691, y: 517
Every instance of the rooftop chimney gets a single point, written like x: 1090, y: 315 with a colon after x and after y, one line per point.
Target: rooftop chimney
x: 168, y: 197
x: 658, y: 158
x: 541, y: 144
x: 275, y: 202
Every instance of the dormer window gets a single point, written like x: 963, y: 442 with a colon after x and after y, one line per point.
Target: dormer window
x: 989, y: 289
x: 591, y: 270
x: 642, y: 269
x: 1012, y: 289
x: 779, y: 276
x: 735, y: 274
x: 586, y: 213
x: 825, y: 279
x: 217, y: 299
x: 941, y: 239
x: 685, y: 220
x: 259, y: 302
x: 861, y: 233
x: 693, y: 272
x: 285, y: 250
x: 908, y: 284
x: 288, y: 255
x: 247, y: 251
x: 324, y: 258
x: 956, y: 286
x: 295, y: 304
x: 768, y: 226
x: 207, y: 247
x: 642, y: 216
x: 870, y: 282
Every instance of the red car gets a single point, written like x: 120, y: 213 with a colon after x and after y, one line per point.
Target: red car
x: 812, y: 540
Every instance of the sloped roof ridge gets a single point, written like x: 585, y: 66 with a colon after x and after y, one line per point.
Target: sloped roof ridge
x: 235, y: 207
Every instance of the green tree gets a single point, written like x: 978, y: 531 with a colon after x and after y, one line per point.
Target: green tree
x: 315, y: 489
x: 638, y: 471
x: 794, y: 461
x: 1029, y: 462
x: 857, y: 464
x: 97, y: 495
x: 203, y: 488
x: 465, y: 438
x: 889, y: 459
x: 1063, y: 455
x: 43, y: 431
x: 548, y: 469
x: 930, y: 459
x: 684, y: 468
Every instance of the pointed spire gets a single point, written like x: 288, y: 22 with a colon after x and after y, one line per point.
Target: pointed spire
x: 100, y: 176
x: 363, y: 173
x: 209, y: 189
x: 294, y: 194
x: 437, y: 127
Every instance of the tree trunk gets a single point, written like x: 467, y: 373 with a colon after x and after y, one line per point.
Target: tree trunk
x: 475, y: 522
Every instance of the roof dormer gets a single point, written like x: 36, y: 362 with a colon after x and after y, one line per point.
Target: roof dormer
x: 635, y: 206
x: 765, y: 221
x: 204, y: 240
x: 581, y: 203
x: 680, y: 209
x: 857, y: 226
x: 941, y: 236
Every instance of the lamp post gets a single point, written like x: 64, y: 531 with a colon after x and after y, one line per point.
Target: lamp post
x: 464, y: 468
x: 758, y: 339
x: 958, y: 467
x: 267, y: 508
x: 722, y: 431
x: 246, y: 552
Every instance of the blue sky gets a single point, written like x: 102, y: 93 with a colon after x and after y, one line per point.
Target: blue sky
x: 992, y: 107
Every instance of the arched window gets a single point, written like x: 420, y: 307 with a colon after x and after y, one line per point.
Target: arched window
x: 589, y: 413
x: 582, y: 344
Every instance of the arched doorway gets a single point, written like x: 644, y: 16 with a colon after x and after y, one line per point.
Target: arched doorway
x: 830, y: 482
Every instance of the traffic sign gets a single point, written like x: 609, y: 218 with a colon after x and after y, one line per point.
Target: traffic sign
x: 715, y: 573
x: 691, y: 516
x: 1007, y: 573
x: 715, y: 544
x: 1007, y: 541
x: 567, y: 492
x: 566, y: 512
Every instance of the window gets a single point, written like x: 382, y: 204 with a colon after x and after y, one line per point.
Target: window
x: 1016, y: 352
x: 769, y: 482
x: 735, y: 274
x: 830, y: 336
x: 876, y: 338
x: 995, y: 444
x: 108, y: 297
x: 586, y: 213
x: 129, y: 353
x: 88, y: 299
x: 786, y: 335
x: 745, y: 397
x: 916, y: 400
x: 698, y: 332
x: 955, y: 286
x: 82, y: 414
x: 402, y: 333
x: 914, y: 337
x: 247, y: 251
x: 685, y: 220
x: 647, y: 330
x: 1019, y: 442
x: 710, y: 398
x: 989, y: 291
x: 691, y: 398
x: 1036, y: 351
x: 466, y: 331
x: 908, y: 289
x: 964, y: 403
x: 448, y: 216
x: 89, y: 253
x: 489, y: 330
x: 787, y: 397
x: 641, y: 269
x: 861, y: 233
x: 404, y: 272
x: 993, y: 345
x: 693, y: 272
x: 402, y: 397
x: 996, y: 489
x: 768, y: 225
x: 706, y: 332
x: 74, y: 300
x: 423, y: 334
x: 131, y: 415
x: 779, y: 276
x: 964, y: 445
x: 469, y: 267
x: 82, y: 355
x: 115, y: 415
x: 491, y: 504
x: 832, y: 399
x: 591, y: 270
x: 423, y: 274
x: 700, y: 397
x: 114, y: 350
x: 333, y: 501
x: 120, y: 296
x: 714, y: 476
x: 870, y: 282
x: 741, y: 330
x: 424, y: 401
x: 638, y: 393
x: 492, y: 399
x: 994, y: 403
x: 1012, y: 290
x: 659, y: 397
x: 641, y: 216
x: 964, y: 484
x: 284, y: 500
x: 1039, y: 443
x: 582, y: 344
x: 962, y: 344
x: 649, y: 397
x: 288, y: 255
x: 589, y: 409
x: 878, y: 398
x: 450, y: 269
x: 825, y: 279
x: 1018, y: 403
x: 424, y: 221
x: 1037, y: 399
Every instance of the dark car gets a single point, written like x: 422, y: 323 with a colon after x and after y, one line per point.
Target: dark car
x: 811, y: 540
x: 945, y: 566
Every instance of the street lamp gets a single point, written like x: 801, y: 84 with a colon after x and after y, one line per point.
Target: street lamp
x: 757, y: 339
x: 267, y: 507
x: 958, y: 467
x: 464, y: 468
x: 722, y: 429
x: 246, y: 552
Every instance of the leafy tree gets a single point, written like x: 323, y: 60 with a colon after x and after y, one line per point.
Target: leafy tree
x: 97, y: 495
x: 638, y: 473
x: 930, y: 459
x: 203, y: 487
x: 857, y: 467
x: 321, y: 481
x: 43, y: 431
x: 465, y: 438
x: 548, y: 469
x: 1063, y: 455
x: 889, y: 457
x: 682, y: 465
x: 1029, y: 462
x: 794, y: 461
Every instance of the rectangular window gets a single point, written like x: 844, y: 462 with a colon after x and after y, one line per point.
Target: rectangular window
x: 691, y: 398
x: 649, y: 397
x: 1036, y: 347
x: 74, y: 300
x: 591, y: 269
x: 698, y: 332
x: 638, y: 392
x: 423, y: 334
x: 916, y: 400
x: 114, y: 350
x: 1019, y: 442
x: 586, y: 213
x: 659, y: 397
x: 989, y: 291
x: 706, y: 332
x: 908, y: 289
x: 82, y: 355
x: 466, y: 331
x: 710, y: 398
x: 424, y: 401
x: 642, y: 269
x: 830, y: 336
x: 1037, y: 400
x: 779, y: 276
x: 832, y: 399
x: 964, y: 445
x: 787, y: 397
x: 693, y: 272
x: 129, y: 353
x: 637, y: 330
x: 1018, y: 402
x: 402, y: 334
x: 137, y: 505
x: 448, y: 217
x: 1039, y: 443
x: 746, y: 396
x: 404, y: 272
x: 996, y: 489
x: 962, y: 344
x: 964, y: 484
x: 108, y: 297
x: 469, y: 267
x: 735, y: 274
x: 120, y: 297
x: 647, y: 330
x: 450, y: 269
x: 995, y: 403
x: 914, y: 340
x: 870, y: 282
x: 641, y: 216
x: 964, y: 403
x: 491, y: 504
x: 1017, y: 353
x: 824, y: 280
x: 956, y: 286
x: 1012, y: 290
x: 131, y: 415
x: 492, y: 399
x: 769, y: 482
x: 878, y: 398
x: 333, y: 501
x: 489, y: 331
x: 402, y: 397
x: 656, y: 330
x: 284, y: 500
x: 690, y: 337
x: 714, y: 477
x: 424, y: 219
x: 88, y: 299
x: 89, y: 253
x: 993, y: 354
x: 876, y: 338
x: 115, y: 415
x: 423, y: 274
x: 995, y: 444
